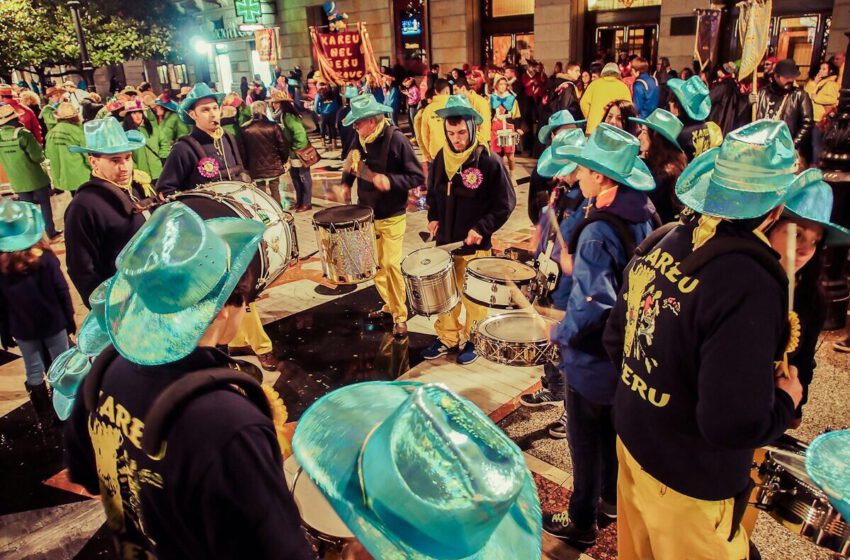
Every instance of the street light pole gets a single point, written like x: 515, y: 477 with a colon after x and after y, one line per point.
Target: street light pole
x: 85, y: 64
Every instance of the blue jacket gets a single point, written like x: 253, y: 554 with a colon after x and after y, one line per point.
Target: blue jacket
x: 598, y: 263
x: 645, y: 95
x: 391, y: 98
x: 326, y: 108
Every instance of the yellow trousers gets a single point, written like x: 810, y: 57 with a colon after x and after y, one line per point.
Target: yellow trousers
x: 449, y: 328
x: 655, y: 521
x: 388, y: 280
x: 251, y: 333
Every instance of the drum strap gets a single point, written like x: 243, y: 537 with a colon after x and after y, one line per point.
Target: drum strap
x: 442, y: 182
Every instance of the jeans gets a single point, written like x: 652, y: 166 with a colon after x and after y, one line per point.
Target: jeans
x: 270, y: 186
x: 411, y: 114
x: 592, y: 441
x: 303, y: 183
x: 817, y: 145
x: 42, y: 198
x: 34, y: 351
x: 328, y: 127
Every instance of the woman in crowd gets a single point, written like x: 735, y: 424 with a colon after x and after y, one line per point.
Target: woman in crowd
x: 664, y: 158
x: 411, y: 90
x: 285, y: 114
x: 67, y: 170
x: 506, y: 116
x: 585, y: 80
x: 620, y: 113
x: 823, y: 90
x: 148, y: 159
x: 326, y: 106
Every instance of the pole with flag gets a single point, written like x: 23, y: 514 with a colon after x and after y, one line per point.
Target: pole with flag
x: 753, y: 29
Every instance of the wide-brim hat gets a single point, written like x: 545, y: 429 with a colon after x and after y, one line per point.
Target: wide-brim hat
x: 200, y: 91
x: 65, y: 375
x: 279, y: 96
x: 7, y: 113
x: 130, y: 90
x: 169, y: 105
x: 52, y: 90
x: 745, y: 177
x: 68, y: 84
x: 827, y: 458
x: 552, y: 162
x: 664, y: 123
x: 148, y: 98
x: 613, y: 152
x: 21, y: 225
x: 107, y: 136
x: 173, y: 277
x: 364, y: 106
x: 134, y: 106
x: 351, y: 92
x: 417, y: 472
x: 557, y: 120
x: 92, y: 337
x: 811, y: 199
x: 459, y: 106
x: 693, y: 96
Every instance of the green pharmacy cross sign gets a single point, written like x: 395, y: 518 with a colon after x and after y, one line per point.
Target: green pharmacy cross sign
x: 249, y: 10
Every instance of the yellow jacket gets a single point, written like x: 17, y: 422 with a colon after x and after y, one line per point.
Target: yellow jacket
x: 600, y: 93
x: 428, y: 127
x: 482, y: 105
x: 824, y: 94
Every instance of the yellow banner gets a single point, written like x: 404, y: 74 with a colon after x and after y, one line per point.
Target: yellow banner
x: 753, y: 27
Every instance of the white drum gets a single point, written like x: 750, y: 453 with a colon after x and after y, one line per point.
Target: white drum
x: 486, y: 282
x: 516, y: 338
x: 507, y: 138
x: 429, y: 277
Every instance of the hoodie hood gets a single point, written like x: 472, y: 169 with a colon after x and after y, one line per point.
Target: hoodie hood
x: 631, y: 205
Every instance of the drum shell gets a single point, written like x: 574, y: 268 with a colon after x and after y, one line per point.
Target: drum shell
x: 295, y: 252
x: 514, y: 353
x: 431, y: 294
x: 494, y: 292
x: 347, y: 250
x: 507, y: 138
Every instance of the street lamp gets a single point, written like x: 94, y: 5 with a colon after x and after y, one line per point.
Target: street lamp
x: 85, y: 64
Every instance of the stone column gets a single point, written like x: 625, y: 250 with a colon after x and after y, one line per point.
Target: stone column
x: 451, y: 44
x: 551, y: 32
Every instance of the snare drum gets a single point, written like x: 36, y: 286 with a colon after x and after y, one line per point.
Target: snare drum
x: 516, y: 338
x: 430, y: 281
x: 486, y: 280
x: 507, y: 138
x: 346, y: 239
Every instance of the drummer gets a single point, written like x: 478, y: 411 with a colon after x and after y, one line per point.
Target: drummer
x: 506, y: 116
x: 469, y: 197
x: 386, y: 168
x: 699, y: 324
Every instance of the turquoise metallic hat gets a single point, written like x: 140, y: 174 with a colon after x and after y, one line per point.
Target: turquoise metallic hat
x: 351, y: 92
x: 552, y: 162
x: 557, y: 120
x: 200, y: 91
x: 827, y: 460
x: 459, y: 106
x: 21, y: 225
x: 65, y: 375
x: 417, y: 472
x: 364, y: 106
x: 107, y: 136
x: 810, y: 199
x: 173, y: 277
x: 745, y: 177
x: 664, y: 123
x: 692, y: 95
x: 92, y: 337
x: 613, y: 152
x: 171, y: 105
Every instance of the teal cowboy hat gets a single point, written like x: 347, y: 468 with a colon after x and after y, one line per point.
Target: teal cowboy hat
x: 65, y: 375
x: 351, y: 92
x: 459, y: 106
x: 173, y: 277
x: 692, y: 95
x: 92, y: 337
x: 107, y: 136
x: 170, y: 105
x: 417, y: 472
x: 200, y: 91
x: 552, y: 162
x: 364, y: 106
x: 613, y: 152
x: 745, y: 177
x: 810, y: 199
x: 557, y: 120
x: 21, y: 225
x: 826, y: 464
x: 664, y: 123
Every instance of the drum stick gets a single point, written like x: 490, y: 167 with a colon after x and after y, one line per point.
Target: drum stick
x: 553, y: 223
x: 790, y: 261
x: 525, y: 305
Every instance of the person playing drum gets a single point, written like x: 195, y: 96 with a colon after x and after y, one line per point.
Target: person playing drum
x: 386, y: 168
x: 469, y: 198
x: 506, y: 116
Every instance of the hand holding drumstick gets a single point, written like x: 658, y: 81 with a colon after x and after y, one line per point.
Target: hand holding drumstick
x: 519, y: 298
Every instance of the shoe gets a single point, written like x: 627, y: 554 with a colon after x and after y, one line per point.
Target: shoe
x: 436, y: 350
x: 559, y: 525
x: 268, y: 361
x: 304, y: 208
x: 42, y: 403
x: 558, y: 430
x: 842, y: 345
x: 540, y: 397
x: 467, y: 354
x: 56, y: 235
x: 400, y: 330
x: 238, y: 351
x: 378, y: 315
x: 607, y: 512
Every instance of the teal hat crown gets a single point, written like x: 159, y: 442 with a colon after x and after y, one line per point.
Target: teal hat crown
x: 693, y: 96
x: 364, y: 106
x: 552, y: 162
x: 92, y: 337
x: 65, y: 375
x: 21, y: 225
x: 200, y: 91
x: 811, y: 199
x: 171, y: 105
x: 107, y: 136
x: 826, y: 463
x: 557, y: 120
x: 173, y: 277
x: 416, y: 471
x: 664, y: 123
x: 613, y: 152
x: 459, y: 106
x: 745, y: 177
x: 351, y: 92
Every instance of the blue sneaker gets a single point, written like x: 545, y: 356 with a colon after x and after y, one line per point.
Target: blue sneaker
x: 436, y: 350
x: 467, y: 355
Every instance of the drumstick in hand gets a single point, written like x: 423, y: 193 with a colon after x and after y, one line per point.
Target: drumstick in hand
x: 525, y: 305
x: 553, y: 223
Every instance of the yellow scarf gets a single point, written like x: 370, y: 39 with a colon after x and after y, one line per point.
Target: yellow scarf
x: 454, y: 161
x: 374, y: 136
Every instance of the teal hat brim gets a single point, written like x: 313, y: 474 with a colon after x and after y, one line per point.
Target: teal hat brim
x: 65, y: 375
x: 834, y: 235
x: 463, y: 112
x: 544, y: 134
x: 549, y: 165
x: 187, y: 104
x: 373, y: 111
x: 28, y: 238
x: 699, y: 113
x: 135, y: 141
x: 663, y: 132
x: 91, y: 339
x: 171, y: 105
x: 639, y: 179
x: 148, y: 338
x: 826, y: 463
x: 327, y: 445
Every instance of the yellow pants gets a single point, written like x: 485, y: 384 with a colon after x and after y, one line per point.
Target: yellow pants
x: 655, y: 521
x: 388, y: 280
x: 449, y: 329
x: 251, y: 333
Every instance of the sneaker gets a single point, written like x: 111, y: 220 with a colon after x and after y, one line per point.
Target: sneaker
x: 436, y: 350
x: 540, y: 397
x: 467, y: 354
x: 558, y: 430
x: 559, y: 525
x: 842, y: 345
x: 607, y: 512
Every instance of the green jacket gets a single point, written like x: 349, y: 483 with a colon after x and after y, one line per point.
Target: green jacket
x: 48, y: 117
x: 171, y: 128
x: 67, y: 170
x: 295, y: 134
x: 147, y: 159
x: 21, y: 156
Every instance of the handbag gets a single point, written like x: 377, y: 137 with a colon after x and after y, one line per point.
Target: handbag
x: 308, y: 155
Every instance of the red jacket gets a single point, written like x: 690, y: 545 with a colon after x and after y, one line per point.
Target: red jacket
x: 27, y: 119
x: 535, y: 86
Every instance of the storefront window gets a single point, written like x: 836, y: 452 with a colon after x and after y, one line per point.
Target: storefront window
x: 795, y: 38
x: 507, y: 8
x: 600, y: 5
x: 261, y: 68
x: 512, y: 50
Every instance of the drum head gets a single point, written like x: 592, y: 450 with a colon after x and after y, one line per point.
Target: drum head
x: 515, y: 327
x: 341, y: 215
x: 498, y: 268
x: 315, y: 510
x: 425, y: 262
x: 794, y: 464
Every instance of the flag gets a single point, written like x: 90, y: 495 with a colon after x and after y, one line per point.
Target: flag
x: 344, y: 56
x: 753, y: 27
x: 708, y: 29
x: 266, y: 40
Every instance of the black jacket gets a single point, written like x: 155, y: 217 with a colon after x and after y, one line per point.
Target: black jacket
x: 568, y: 100
x: 729, y: 107
x: 264, y: 149
x: 797, y: 111
x: 180, y: 171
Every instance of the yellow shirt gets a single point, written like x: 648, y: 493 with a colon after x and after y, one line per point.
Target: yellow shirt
x: 598, y: 94
x: 824, y: 94
x: 430, y: 134
x: 482, y: 105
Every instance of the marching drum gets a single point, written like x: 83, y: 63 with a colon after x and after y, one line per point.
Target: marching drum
x: 346, y: 239
x: 294, y: 252
x: 243, y: 200
x: 516, y: 338
x: 507, y: 138
x: 430, y: 281
x: 486, y: 282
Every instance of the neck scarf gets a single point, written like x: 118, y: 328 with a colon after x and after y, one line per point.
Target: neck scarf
x: 454, y: 160
x: 374, y: 136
